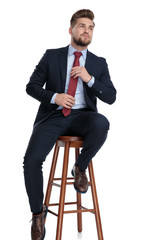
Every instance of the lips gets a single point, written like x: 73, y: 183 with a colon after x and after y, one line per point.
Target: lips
x: 85, y: 35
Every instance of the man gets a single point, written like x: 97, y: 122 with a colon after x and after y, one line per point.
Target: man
x: 73, y: 79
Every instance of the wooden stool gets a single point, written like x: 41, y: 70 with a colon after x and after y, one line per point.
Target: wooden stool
x: 67, y: 142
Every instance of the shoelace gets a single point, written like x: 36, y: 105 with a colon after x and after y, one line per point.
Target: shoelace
x: 36, y: 219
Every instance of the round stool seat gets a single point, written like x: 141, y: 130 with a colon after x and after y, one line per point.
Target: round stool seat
x: 73, y: 141
x: 70, y: 138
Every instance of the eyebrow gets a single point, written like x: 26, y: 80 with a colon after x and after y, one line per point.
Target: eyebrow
x: 85, y: 24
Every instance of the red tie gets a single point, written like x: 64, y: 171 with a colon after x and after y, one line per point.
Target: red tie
x: 73, y: 83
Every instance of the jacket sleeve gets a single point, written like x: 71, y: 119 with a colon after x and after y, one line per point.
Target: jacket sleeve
x: 37, y: 80
x: 103, y: 87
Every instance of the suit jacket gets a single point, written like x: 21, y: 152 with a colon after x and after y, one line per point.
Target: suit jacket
x: 49, y: 77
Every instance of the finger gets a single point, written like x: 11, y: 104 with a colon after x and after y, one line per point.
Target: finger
x: 74, y: 68
x: 66, y: 106
x: 76, y: 75
x: 71, y: 97
x: 69, y: 105
x: 70, y: 101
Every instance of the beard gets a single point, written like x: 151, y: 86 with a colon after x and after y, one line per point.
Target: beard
x: 80, y: 42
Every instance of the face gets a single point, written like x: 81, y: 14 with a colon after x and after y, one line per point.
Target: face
x: 82, y: 32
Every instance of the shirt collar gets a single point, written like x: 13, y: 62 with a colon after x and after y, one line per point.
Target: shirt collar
x: 71, y: 50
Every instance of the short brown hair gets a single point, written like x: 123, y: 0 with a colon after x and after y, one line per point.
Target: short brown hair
x: 83, y: 13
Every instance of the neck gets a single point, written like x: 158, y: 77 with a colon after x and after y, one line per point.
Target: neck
x: 77, y: 47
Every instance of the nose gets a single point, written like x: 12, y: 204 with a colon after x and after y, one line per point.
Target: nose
x: 86, y: 29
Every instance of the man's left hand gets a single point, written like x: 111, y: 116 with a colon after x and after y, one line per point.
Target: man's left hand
x: 82, y: 73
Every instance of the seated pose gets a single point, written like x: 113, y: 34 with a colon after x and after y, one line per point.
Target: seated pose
x: 73, y: 78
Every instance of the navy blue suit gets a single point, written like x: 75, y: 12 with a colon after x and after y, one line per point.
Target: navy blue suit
x: 50, y: 123
x: 52, y: 70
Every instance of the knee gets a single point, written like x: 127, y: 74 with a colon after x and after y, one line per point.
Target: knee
x: 101, y: 125
x: 32, y: 162
x: 105, y: 123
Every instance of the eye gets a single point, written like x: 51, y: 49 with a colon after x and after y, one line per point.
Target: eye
x: 81, y: 25
x: 91, y: 28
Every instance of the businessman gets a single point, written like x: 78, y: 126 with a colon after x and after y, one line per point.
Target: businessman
x: 67, y: 82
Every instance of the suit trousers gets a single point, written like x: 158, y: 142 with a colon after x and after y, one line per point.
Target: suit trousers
x: 81, y: 122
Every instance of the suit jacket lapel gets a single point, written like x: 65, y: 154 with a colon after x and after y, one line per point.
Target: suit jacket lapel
x: 89, y: 67
x: 63, y: 65
x: 88, y: 63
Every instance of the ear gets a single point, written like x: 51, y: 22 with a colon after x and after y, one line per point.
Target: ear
x: 70, y: 30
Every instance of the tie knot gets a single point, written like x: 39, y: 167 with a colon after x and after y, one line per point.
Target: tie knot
x: 77, y: 54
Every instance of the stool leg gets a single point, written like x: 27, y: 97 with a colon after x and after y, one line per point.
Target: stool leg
x: 79, y: 215
x: 95, y: 202
x: 51, y: 177
x: 62, y: 193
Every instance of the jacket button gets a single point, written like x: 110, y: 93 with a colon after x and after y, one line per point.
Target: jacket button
x: 100, y: 91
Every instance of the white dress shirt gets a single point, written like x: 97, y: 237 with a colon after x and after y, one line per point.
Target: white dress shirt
x: 79, y: 95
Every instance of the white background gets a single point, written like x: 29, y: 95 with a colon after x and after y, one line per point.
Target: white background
x: 127, y: 168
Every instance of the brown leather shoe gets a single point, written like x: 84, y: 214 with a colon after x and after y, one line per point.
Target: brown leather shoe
x: 37, y: 228
x: 80, y: 180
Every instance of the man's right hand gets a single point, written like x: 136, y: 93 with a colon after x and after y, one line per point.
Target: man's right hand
x: 64, y: 100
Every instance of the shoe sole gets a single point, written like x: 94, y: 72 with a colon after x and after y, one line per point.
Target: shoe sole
x: 44, y: 233
x: 44, y: 218
x: 75, y: 186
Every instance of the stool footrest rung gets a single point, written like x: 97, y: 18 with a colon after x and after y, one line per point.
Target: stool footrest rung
x: 59, y: 185
x: 59, y: 179
x: 80, y: 211
x: 57, y: 204
x: 67, y: 183
x: 83, y: 209
x: 88, y: 209
x: 53, y: 213
x: 56, y: 184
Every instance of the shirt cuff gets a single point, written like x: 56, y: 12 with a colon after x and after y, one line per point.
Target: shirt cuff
x: 53, y: 99
x: 91, y: 82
